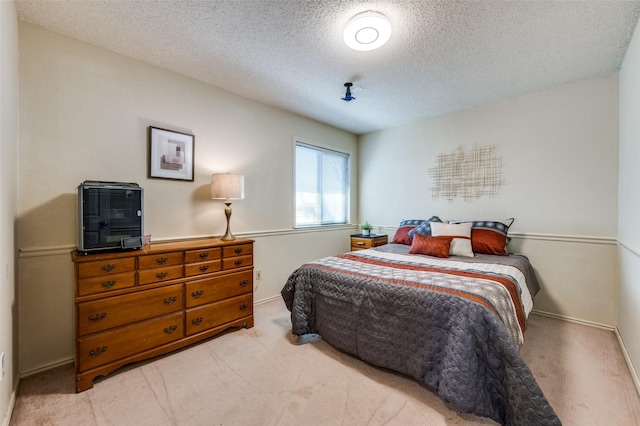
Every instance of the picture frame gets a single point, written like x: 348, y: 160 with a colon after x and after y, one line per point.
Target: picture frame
x: 171, y: 154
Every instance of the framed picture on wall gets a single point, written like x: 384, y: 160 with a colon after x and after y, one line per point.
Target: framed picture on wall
x: 171, y: 154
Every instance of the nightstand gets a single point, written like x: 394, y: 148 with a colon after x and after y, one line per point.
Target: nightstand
x: 360, y: 242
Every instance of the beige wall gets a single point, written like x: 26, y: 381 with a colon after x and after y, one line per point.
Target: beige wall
x: 629, y: 205
x: 84, y: 113
x: 8, y: 179
x: 559, y: 149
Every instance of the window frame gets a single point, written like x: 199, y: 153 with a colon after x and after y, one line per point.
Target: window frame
x: 323, y: 148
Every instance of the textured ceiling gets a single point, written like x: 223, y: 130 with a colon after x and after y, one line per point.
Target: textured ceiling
x: 443, y: 56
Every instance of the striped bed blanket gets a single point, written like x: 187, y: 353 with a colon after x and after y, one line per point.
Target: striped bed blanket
x: 455, y: 325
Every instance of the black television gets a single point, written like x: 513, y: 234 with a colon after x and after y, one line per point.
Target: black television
x: 110, y: 216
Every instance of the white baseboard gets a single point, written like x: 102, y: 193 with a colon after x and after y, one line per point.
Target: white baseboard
x: 12, y: 403
x: 627, y: 358
x: 268, y: 299
x: 46, y: 368
x: 571, y: 319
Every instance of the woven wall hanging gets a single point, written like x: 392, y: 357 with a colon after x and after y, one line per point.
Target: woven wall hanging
x: 467, y: 174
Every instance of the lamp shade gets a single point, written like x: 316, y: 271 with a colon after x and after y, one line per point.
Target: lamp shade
x: 225, y: 186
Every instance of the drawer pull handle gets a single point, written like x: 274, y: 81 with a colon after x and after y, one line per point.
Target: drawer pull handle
x: 197, y: 321
x: 109, y: 267
x: 204, y: 255
x: 97, y: 351
x: 97, y: 317
x: 244, y: 307
x: 360, y: 243
x: 204, y: 268
x: 238, y: 262
x: 170, y: 300
x: 197, y: 294
x: 108, y: 284
x: 238, y: 250
x: 161, y: 260
x: 170, y: 329
x: 161, y: 275
x: 244, y: 283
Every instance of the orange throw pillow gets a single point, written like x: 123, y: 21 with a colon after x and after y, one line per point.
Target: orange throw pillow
x: 402, y: 235
x: 431, y: 246
x: 489, y: 242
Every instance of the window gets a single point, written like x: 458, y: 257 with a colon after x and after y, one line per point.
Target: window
x: 321, y: 186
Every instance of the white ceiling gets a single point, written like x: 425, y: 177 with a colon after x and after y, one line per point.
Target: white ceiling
x: 443, y: 56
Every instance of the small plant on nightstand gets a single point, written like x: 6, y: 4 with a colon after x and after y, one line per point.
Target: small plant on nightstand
x: 366, y: 228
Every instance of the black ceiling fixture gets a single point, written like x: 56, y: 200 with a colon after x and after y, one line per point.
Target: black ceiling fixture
x: 347, y: 95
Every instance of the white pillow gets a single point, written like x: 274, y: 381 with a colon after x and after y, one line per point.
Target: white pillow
x: 459, y: 246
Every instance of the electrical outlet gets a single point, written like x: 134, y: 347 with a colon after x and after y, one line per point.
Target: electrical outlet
x: 258, y: 274
x: 2, y: 366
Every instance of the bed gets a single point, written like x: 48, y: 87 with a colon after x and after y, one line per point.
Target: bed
x: 454, y: 323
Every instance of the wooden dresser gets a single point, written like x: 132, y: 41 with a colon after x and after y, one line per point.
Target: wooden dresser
x: 134, y: 305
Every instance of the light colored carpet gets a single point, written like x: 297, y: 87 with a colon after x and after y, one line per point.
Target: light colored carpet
x: 266, y: 376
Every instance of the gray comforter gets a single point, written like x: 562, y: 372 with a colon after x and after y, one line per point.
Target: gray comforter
x: 403, y: 315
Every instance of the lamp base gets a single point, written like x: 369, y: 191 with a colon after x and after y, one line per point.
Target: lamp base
x: 228, y: 236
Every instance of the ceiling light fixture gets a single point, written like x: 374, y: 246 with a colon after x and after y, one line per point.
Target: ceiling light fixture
x: 367, y: 31
x: 347, y: 95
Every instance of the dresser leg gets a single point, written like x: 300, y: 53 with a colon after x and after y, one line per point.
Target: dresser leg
x: 249, y: 322
x: 83, y: 382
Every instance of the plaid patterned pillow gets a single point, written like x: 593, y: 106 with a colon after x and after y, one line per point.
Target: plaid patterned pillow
x: 402, y: 234
x: 424, y: 228
x: 490, y: 237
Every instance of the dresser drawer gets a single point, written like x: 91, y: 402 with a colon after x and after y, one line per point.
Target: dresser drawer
x: 196, y: 256
x: 158, y: 260
x: 106, y: 283
x: 202, y: 268
x: 358, y: 243
x: 113, y: 266
x: 218, y: 313
x: 212, y: 289
x: 237, y: 262
x: 156, y: 275
x: 112, y: 345
x: 237, y: 250
x: 114, y: 311
x: 361, y: 243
